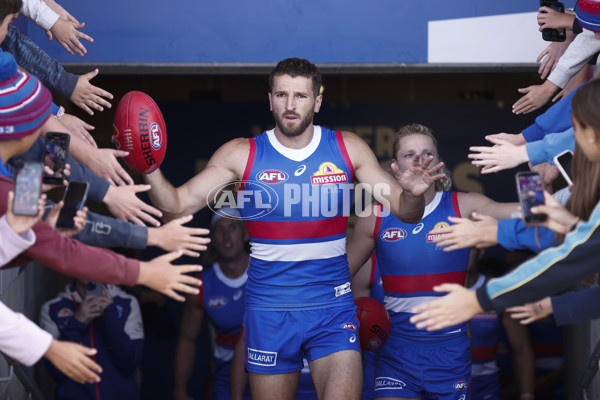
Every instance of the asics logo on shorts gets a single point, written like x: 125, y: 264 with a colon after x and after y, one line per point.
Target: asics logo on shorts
x: 352, y: 339
x: 260, y: 357
x: 385, y: 382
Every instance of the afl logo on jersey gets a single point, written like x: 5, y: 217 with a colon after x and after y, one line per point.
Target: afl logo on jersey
x: 432, y: 235
x: 328, y: 172
x: 393, y: 234
x: 217, y: 302
x: 272, y: 176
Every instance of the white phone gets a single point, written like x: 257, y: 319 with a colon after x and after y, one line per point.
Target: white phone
x: 563, y: 161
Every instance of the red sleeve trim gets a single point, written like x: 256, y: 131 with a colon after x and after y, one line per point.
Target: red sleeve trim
x: 249, y: 163
x: 455, y: 204
x: 373, y: 267
x: 378, y: 214
x: 344, y: 151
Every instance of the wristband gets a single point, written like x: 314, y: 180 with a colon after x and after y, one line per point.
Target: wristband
x: 60, y: 112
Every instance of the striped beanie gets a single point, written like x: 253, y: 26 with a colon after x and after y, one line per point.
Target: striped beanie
x: 588, y: 14
x: 24, y: 102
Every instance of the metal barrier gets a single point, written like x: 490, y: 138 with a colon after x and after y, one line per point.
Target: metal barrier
x: 588, y: 376
x: 26, y: 380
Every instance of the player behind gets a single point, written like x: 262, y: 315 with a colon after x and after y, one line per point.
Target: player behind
x: 421, y: 363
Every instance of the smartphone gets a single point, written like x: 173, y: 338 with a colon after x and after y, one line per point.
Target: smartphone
x: 94, y: 289
x: 563, y: 161
x: 553, y: 35
x: 28, y: 188
x: 531, y: 194
x: 74, y: 200
x: 56, y: 151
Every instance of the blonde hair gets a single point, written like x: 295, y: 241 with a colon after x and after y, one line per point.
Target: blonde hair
x: 443, y: 184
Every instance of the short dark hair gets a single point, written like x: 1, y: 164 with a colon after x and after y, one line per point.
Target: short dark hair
x: 9, y: 7
x: 297, y: 67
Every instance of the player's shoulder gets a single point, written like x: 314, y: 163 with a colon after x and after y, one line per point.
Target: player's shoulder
x: 237, y: 145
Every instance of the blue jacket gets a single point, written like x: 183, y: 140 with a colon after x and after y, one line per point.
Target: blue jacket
x: 576, y: 307
x: 556, y: 119
x: 118, y: 335
x: 545, y: 149
x: 551, y: 271
x: 35, y: 60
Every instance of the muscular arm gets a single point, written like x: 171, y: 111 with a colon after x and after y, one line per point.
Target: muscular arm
x: 226, y: 165
x: 380, y: 184
x: 362, y: 244
x: 191, y: 323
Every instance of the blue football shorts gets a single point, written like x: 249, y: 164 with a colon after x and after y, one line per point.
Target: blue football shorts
x: 276, y: 341
x: 427, y: 371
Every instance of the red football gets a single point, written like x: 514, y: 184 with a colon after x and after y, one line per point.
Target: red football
x: 374, y: 323
x: 139, y: 128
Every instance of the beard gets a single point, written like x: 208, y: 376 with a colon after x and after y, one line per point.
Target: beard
x: 291, y: 131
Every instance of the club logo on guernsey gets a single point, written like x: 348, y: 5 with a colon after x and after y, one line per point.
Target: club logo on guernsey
x: 385, y: 382
x: 217, y: 302
x: 460, y: 385
x: 263, y: 358
x: 393, y: 234
x: 272, y: 176
x: 155, y: 136
x: 328, y: 173
x: 431, y: 236
x: 65, y: 312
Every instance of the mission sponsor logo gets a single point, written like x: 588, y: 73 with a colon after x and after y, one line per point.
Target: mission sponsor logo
x: 217, y: 302
x: 385, y: 382
x: 272, y: 176
x: 462, y: 385
x: 432, y: 235
x: 393, y: 234
x: 328, y: 173
x: 263, y: 358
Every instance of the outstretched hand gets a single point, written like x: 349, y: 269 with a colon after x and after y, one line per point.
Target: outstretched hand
x: 419, y: 177
x: 459, y: 305
x: 480, y: 232
x: 530, y: 312
x: 79, y: 127
x: 159, y: 274
x: 87, y: 96
x: 67, y: 34
x: 175, y: 236
x: 535, y: 97
x: 74, y: 360
x: 503, y: 155
x: 103, y: 162
x: 123, y: 203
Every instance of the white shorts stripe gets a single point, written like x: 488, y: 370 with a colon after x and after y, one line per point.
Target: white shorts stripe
x: 300, y: 251
x: 486, y: 368
x: 405, y: 304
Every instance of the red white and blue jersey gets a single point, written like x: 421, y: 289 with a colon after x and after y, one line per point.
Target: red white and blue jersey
x: 295, y: 205
x: 411, y: 265
x: 222, y: 300
x: 486, y: 331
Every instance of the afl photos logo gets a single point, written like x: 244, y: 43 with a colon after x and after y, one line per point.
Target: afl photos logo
x: 328, y: 173
x: 272, y: 176
x: 393, y: 234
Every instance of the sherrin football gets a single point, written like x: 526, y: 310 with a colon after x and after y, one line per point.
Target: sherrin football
x: 139, y: 128
x: 374, y: 323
